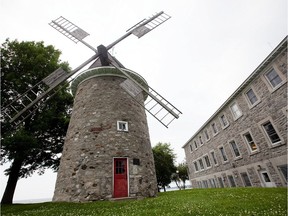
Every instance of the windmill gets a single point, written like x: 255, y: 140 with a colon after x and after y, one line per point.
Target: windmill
x: 107, y: 151
x: 25, y: 104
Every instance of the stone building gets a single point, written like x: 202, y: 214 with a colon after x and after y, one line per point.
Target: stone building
x: 244, y: 143
x: 107, y: 152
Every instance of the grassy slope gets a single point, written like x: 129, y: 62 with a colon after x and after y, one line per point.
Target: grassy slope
x: 228, y: 201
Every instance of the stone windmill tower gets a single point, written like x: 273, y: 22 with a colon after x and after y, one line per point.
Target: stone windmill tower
x: 107, y: 152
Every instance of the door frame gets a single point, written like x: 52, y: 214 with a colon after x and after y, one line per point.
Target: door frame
x: 113, y: 179
x: 263, y: 182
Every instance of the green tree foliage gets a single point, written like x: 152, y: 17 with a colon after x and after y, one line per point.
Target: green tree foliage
x: 181, y: 175
x: 37, y: 143
x: 164, y: 164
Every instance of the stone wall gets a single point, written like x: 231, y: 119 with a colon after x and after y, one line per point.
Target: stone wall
x: 92, y: 141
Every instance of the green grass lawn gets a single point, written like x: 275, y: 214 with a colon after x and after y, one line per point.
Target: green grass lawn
x: 228, y: 201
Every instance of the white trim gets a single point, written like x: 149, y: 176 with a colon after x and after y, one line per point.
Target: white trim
x: 271, y: 88
x: 248, y: 100
x: 251, y: 152
x: 232, y: 150
x: 267, y: 138
x: 238, y: 109
x: 123, y: 123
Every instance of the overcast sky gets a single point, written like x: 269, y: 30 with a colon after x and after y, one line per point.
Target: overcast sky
x: 196, y: 60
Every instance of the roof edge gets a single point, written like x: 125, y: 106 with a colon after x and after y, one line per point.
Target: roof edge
x: 276, y: 51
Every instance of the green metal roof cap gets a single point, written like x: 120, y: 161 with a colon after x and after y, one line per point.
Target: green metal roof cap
x: 106, y: 71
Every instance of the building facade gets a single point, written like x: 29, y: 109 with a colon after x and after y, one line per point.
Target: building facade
x: 244, y: 143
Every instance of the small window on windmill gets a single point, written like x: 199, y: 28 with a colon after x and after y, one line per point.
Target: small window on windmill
x: 136, y: 161
x: 122, y: 126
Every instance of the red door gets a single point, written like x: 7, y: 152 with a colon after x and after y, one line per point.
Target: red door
x: 120, y: 177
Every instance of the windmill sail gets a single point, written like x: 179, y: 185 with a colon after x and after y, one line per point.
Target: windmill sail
x: 156, y: 104
x: 20, y: 108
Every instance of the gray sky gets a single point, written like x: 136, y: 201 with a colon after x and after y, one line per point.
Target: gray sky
x: 196, y: 60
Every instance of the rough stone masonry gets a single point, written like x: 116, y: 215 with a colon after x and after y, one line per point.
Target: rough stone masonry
x: 93, y: 141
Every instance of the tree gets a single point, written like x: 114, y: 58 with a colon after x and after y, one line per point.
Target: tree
x: 180, y: 175
x: 37, y: 143
x: 164, y: 164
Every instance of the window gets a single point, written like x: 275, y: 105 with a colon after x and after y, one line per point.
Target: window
x: 220, y: 182
x: 205, y: 183
x: 246, y: 179
x: 273, y: 78
x: 195, y: 143
x: 207, y: 135
x: 251, y: 97
x: 283, y: 169
x: 224, y: 121
x: 201, y: 164
x: 231, y: 181
x: 191, y: 148
x: 223, y: 153
x: 196, y: 166
x: 271, y: 133
x: 250, y: 142
x: 207, y: 161
x: 200, y: 140
x: 235, y: 149
x: 236, y: 112
x: 214, y: 157
x: 122, y: 126
x: 214, y: 128
x: 212, y: 183
x: 265, y: 176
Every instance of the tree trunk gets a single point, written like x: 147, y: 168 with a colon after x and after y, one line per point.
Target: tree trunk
x: 12, y: 182
x: 177, y: 185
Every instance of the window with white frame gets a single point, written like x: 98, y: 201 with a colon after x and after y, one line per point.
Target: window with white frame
x: 212, y: 183
x: 221, y: 184
x: 235, y: 149
x: 246, y: 179
x: 200, y: 140
x: 191, y: 148
x: 250, y: 142
x: 122, y: 126
x: 206, y: 135
x: 284, y: 171
x: 196, y: 166
x: 223, y: 153
x: 251, y: 98
x: 214, y: 157
x: 224, y: 121
x: 273, y: 77
x: 236, y: 112
x: 207, y: 161
x: 214, y: 128
x: 201, y: 164
x: 196, y: 145
x: 231, y: 181
x: 271, y: 133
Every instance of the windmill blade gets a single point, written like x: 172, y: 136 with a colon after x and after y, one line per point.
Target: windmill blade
x: 32, y: 99
x: 71, y: 31
x: 157, y: 105
x: 145, y: 26
x: 20, y: 108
